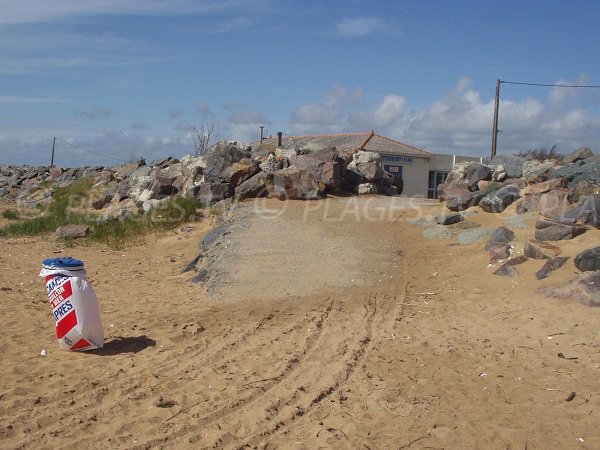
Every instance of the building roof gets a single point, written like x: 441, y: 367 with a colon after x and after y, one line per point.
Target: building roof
x: 378, y: 143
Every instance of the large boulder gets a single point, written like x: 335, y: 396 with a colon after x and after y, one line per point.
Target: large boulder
x: 588, y: 260
x: 449, y: 219
x: 456, y: 183
x: 222, y: 163
x: 293, y: 184
x: 513, y: 165
x: 458, y: 172
x: 544, y: 186
x: 464, y: 202
x: 576, y: 174
x: 499, y: 174
x: 192, y: 168
x: 499, y: 200
x: 327, y: 154
x: 555, y: 204
x: 105, y: 197
x: 587, y: 212
x: 163, y: 186
x: 550, y: 266
x: 271, y: 164
x: 540, y: 250
x: 476, y: 172
x: 577, y: 155
x: 123, y: 171
x: 367, y: 164
x: 448, y: 190
x: 327, y: 172
x: 549, y: 230
x: 239, y: 171
x: 254, y: 187
x: 501, y: 235
x: 133, y: 187
x: 209, y: 193
x: 171, y: 168
x: 586, y: 187
x: 537, y: 171
x: 104, y: 176
x: 528, y: 203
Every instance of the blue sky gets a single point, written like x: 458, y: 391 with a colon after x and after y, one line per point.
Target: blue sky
x: 115, y: 78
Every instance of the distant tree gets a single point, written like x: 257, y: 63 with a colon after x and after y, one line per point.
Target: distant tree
x: 540, y: 154
x: 204, y: 136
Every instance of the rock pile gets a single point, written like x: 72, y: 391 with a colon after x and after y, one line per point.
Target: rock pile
x: 228, y: 169
x: 566, y: 195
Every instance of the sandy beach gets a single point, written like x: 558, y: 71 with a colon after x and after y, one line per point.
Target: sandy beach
x: 330, y: 324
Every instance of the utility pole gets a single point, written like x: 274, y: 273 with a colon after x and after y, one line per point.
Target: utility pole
x: 495, y: 128
x: 52, y: 158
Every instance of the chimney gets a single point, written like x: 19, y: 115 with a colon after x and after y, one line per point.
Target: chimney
x: 364, y: 144
x: 279, y: 138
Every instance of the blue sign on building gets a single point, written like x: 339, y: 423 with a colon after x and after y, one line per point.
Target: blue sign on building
x: 397, y: 159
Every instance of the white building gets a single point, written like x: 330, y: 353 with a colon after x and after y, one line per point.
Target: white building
x: 422, y: 171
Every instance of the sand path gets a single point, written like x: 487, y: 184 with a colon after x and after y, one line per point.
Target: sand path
x: 336, y: 325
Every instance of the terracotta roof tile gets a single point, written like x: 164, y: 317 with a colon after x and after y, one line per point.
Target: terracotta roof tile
x: 377, y: 143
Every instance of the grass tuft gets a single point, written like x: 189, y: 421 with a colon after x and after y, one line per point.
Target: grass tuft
x: 10, y: 214
x: 65, y: 206
x: 492, y: 187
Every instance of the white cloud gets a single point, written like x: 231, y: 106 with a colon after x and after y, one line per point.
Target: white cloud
x: 359, y: 26
x: 560, y: 94
x: 328, y: 116
x: 243, y: 122
x: 36, y: 11
x: 390, y: 112
x: 109, y: 147
x: 459, y: 122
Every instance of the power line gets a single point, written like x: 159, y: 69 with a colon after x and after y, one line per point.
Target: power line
x: 89, y: 151
x: 553, y: 85
x: 497, y: 103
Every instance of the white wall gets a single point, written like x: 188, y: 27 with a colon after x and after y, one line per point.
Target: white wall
x: 416, y: 174
x: 415, y: 177
x: 444, y: 163
x: 441, y: 163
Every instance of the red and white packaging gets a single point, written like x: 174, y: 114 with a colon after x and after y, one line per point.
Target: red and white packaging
x: 75, y: 308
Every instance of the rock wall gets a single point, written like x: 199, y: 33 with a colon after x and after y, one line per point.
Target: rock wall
x: 228, y: 169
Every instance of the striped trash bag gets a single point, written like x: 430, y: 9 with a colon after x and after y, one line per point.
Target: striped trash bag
x: 74, y: 304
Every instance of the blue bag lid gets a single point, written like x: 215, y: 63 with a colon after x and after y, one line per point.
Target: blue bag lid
x: 67, y: 263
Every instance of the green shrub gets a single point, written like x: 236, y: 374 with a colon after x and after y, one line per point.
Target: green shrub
x: 492, y: 187
x: 177, y: 210
x: 114, y: 233
x: 80, y: 187
x: 10, y: 214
